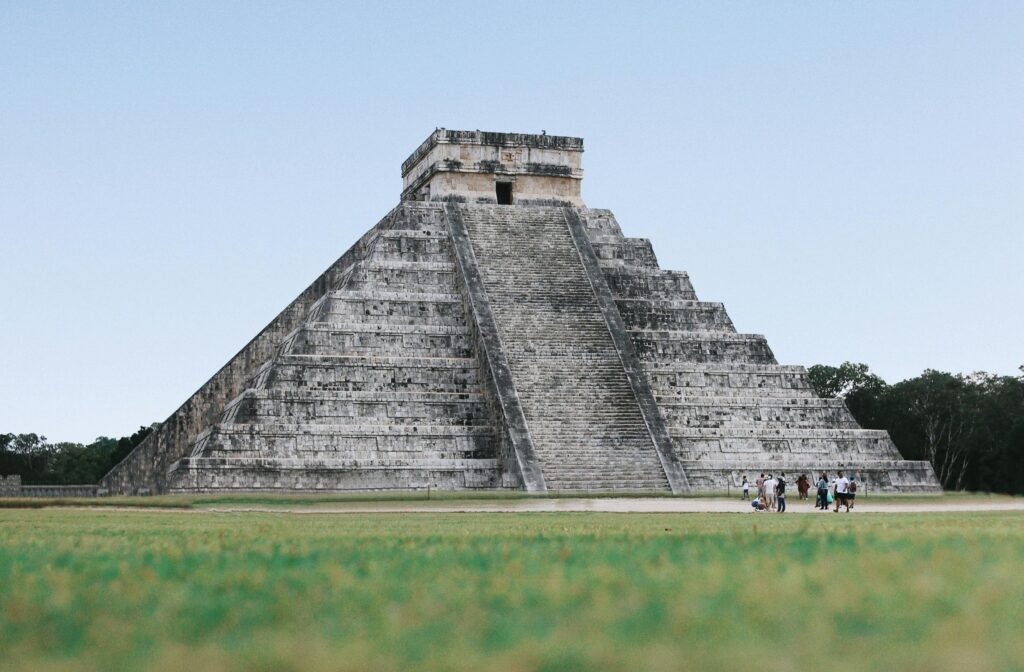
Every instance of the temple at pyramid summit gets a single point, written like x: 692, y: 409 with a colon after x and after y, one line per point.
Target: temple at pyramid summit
x: 494, y: 332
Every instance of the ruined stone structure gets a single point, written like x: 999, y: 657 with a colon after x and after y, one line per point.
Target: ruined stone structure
x: 11, y: 486
x: 493, y: 332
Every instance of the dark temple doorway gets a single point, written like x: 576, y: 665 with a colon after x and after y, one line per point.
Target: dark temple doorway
x: 504, y: 192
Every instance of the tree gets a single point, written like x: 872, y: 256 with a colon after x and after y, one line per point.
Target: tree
x: 943, y: 410
x: 843, y: 380
x: 970, y: 428
x: 42, y: 463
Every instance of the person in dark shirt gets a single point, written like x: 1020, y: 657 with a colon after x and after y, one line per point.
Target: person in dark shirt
x: 823, y: 491
x: 780, y: 494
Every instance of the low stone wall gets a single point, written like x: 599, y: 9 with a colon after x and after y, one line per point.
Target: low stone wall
x: 11, y: 486
x: 60, y: 491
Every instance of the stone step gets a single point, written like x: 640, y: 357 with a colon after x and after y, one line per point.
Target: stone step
x: 769, y: 403
x: 599, y: 220
x: 633, y: 282
x: 309, y: 462
x: 414, y: 276
x: 726, y: 368
x: 674, y: 314
x: 393, y: 308
x: 633, y: 251
x: 249, y: 475
x: 741, y: 443
x: 695, y: 346
x: 666, y: 393
x: 814, y: 433
x: 409, y: 245
x: 375, y: 373
x: 437, y: 233
x: 362, y: 338
x: 350, y: 441
x: 381, y: 295
x: 293, y: 429
x: 740, y: 420
x: 332, y: 408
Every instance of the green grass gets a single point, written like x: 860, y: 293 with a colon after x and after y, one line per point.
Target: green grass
x: 104, y: 589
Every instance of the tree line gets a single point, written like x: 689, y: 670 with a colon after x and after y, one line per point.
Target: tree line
x: 969, y: 427
x: 43, y: 463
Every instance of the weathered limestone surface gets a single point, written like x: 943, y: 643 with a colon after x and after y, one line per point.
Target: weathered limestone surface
x: 10, y: 486
x: 582, y: 412
x: 492, y: 332
x: 732, y: 410
x: 379, y: 387
x: 145, y: 469
x: 465, y: 166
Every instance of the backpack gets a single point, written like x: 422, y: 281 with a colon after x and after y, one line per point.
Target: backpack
x: 782, y: 487
x: 852, y: 487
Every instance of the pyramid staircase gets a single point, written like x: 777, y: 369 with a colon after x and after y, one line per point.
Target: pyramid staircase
x: 587, y: 428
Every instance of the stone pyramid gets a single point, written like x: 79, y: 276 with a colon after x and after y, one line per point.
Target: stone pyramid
x: 492, y: 332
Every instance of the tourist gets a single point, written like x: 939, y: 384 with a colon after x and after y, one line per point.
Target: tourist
x: 822, y: 502
x: 759, y: 504
x: 842, y: 485
x: 851, y: 493
x: 746, y: 488
x: 780, y: 494
x: 802, y: 486
x: 769, y: 491
x: 760, y: 485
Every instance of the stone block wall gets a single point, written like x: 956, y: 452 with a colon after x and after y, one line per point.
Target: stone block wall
x: 10, y: 486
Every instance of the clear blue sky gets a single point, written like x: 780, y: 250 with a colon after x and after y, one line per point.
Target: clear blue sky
x: 847, y: 177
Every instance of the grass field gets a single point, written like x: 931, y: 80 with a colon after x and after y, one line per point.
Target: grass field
x: 111, y: 590
x: 415, y: 497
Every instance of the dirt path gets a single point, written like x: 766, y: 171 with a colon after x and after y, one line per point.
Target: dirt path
x: 624, y: 505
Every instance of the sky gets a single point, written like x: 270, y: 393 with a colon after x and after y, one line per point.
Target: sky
x: 848, y: 178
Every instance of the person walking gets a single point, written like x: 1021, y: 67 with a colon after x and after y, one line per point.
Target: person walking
x: 822, y: 502
x: 769, y: 491
x: 851, y: 493
x: 780, y: 494
x: 760, y: 485
x: 746, y: 489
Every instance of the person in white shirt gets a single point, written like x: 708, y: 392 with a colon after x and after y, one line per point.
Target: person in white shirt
x: 842, y: 483
x: 769, y: 491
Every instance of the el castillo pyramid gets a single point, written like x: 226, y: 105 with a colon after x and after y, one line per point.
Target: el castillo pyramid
x: 493, y: 332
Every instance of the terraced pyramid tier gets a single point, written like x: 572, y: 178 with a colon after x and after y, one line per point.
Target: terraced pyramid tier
x: 732, y: 410
x: 378, y: 388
